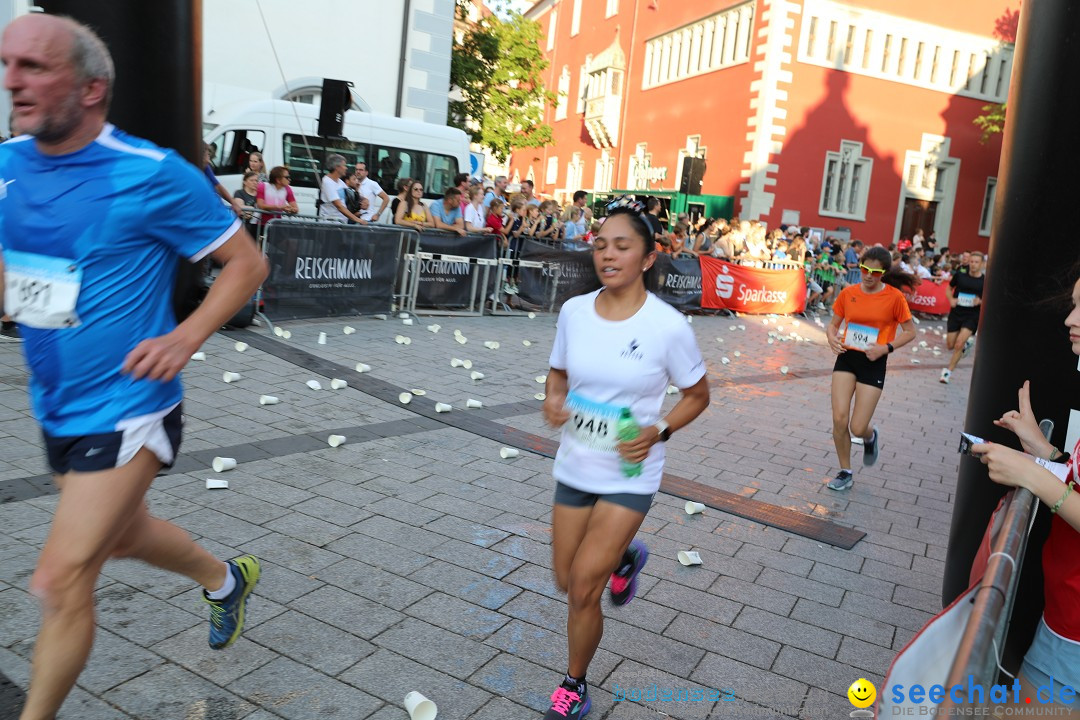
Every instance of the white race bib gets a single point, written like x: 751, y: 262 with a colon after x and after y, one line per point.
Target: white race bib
x: 593, y: 424
x: 41, y: 291
x: 965, y: 300
x: 860, y: 337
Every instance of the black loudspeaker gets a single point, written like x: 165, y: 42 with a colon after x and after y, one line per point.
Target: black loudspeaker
x: 336, y: 99
x: 693, y: 176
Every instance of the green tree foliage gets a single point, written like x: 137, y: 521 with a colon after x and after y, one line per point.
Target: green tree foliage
x: 497, y: 69
x: 992, y: 121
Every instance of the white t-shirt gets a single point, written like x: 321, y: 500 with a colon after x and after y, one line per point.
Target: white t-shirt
x: 330, y: 191
x: 371, y: 190
x: 612, y: 365
x: 475, y: 217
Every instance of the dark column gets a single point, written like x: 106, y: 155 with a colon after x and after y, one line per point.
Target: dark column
x: 157, y: 50
x: 1033, y: 255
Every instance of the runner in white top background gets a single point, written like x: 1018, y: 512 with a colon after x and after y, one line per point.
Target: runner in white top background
x: 618, y: 347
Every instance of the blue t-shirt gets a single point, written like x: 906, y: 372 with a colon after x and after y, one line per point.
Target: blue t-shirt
x: 851, y: 257
x: 438, y: 209
x: 102, y: 228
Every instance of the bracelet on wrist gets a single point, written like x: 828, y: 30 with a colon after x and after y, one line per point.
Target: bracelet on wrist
x: 1059, y: 503
x: 1054, y: 454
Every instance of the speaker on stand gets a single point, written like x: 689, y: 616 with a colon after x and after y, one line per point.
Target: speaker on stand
x: 336, y: 99
x: 693, y: 176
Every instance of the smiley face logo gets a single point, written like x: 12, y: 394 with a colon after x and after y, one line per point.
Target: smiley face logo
x: 862, y: 693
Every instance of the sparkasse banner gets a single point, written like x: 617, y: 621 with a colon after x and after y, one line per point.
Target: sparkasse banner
x: 930, y: 297
x: 751, y: 290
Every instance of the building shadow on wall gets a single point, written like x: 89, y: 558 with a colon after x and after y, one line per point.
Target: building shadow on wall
x: 802, y: 165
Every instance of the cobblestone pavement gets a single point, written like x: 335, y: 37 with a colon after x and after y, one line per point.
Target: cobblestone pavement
x: 414, y: 557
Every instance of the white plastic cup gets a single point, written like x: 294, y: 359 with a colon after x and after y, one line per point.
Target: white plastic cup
x: 467, y: 364
x: 418, y: 392
x: 380, y: 316
x: 527, y: 343
x: 407, y: 321
x: 268, y: 400
x: 725, y: 360
x: 541, y: 379
x: 278, y: 330
x: 362, y: 368
x: 672, y: 390
x: 241, y: 346
x: 470, y: 403
x: 784, y: 369
x: 461, y: 339
x: 456, y: 362
x: 476, y: 375
x: 419, y: 707
x: 199, y: 356
x: 532, y: 315
x: 338, y: 384
x: 507, y: 453
x: 540, y: 396
x: 693, y: 508
x: 286, y: 334
x: 457, y: 333
x: 215, y: 484
x: 348, y: 329
x: 231, y: 377
x: 689, y: 557
x: 737, y: 353
x: 314, y: 385
x: 408, y: 341
x: 405, y: 398
x: 403, y: 315
x: 322, y: 338
x: 443, y: 407
x: 223, y: 464
x: 434, y: 328
x: 335, y: 440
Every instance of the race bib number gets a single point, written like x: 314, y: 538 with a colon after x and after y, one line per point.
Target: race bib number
x: 860, y: 337
x: 593, y: 424
x: 965, y: 300
x: 41, y: 291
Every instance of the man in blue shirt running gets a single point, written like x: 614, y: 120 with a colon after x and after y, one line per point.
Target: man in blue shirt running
x: 89, y: 258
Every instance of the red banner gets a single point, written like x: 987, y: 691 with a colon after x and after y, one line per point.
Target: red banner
x: 751, y: 290
x: 930, y: 297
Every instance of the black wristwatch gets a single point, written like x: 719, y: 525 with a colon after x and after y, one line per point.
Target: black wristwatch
x: 663, y: 429
x: 891, y: 348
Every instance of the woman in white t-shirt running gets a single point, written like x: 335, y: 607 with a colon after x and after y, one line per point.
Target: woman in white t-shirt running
x: 618, y: 347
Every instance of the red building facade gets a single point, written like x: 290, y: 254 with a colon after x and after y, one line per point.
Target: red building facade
x: 828, y: 114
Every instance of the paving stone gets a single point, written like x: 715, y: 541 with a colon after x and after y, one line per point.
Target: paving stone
x: 399, y: 533
x: 868, y: 657
x: 393, y: 557
x: 351, y: 613
x: 115, y: 660
x: 724, y: 640
x: 649, y: 686
x: 501, y: 709
x: 297, y: 692
x: 295, y: 555
x: 519, y: 680
x: 818, y: 671
x: 457, y: 616
x: 391, y: 677
x: 898, y: 615
x: 548, y: 648
x: 466, y: 531
x: 435, y: 647
x: 475, y: 558
x: 852, y: 581
x: 749, y: 684
x: 226, y: 529
x: 696, y: 602
x: 139, y: 617
x: 169, y: 691
x: 307, y: 529
x: 789, y: 632
x: 844, y: 622
x: 466, y: 584
x: 375, y: 584
x: 631, y: 642
x: 19, y: 616
x: 191, y: 650
x: 311, y: 642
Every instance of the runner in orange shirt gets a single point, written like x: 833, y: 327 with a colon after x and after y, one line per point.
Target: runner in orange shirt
x: 870, y: 313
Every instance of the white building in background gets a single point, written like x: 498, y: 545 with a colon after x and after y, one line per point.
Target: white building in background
x: 395, y: 52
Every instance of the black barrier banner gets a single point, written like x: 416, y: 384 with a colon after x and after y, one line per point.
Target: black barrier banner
x: 577, y: 275
x: 448, y: 284
x: 677, y: 281
x: 329, y: 269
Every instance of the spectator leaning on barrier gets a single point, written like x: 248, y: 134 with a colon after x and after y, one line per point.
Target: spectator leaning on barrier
x: 497, y: 192
x: 402, y: 187
x: 446, y: 214
x: 527, y: 188
x: 276, y: 194
x: 246, y: 195
x: 332, y: 193
x: 652, y: 219
x: 411, y: 211
x: 373, y: 198
x: 476, y: 220
x: 352, y: 194
x: 851, y: 255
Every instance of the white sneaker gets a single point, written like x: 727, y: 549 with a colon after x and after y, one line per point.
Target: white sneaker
x: 970, y: 343
x: 945, y: 377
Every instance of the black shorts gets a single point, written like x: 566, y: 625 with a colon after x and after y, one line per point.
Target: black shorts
x: 825, y: 285
x: 866, y: 371
x: 566, y: 495
x: 965, y: 318
x: 104, y: 451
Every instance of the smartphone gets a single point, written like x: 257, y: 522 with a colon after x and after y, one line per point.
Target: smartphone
x: 966, y: 441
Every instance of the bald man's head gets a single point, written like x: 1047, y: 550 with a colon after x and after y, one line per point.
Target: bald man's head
x: 58, y: 72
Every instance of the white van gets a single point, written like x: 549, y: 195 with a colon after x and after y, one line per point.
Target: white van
x: 286, y: 134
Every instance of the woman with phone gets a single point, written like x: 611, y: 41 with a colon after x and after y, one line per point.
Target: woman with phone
x: 870, y: 312
x: 1053, y: 660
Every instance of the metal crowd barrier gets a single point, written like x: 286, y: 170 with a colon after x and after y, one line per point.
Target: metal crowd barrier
x: 984, y: 636
x: 449, y: 274
x: 549, y: 271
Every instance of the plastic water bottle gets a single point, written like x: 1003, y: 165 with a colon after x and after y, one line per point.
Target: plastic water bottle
x: 627, y: 430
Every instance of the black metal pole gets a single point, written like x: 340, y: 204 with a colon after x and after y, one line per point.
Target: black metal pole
x: 157, y: 50
x: 1033, y: 251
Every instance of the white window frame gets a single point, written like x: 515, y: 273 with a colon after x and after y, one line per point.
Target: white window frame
x: 612, y: 8
x: 575, y: 19
x: 553, y: 26
x: 837, y: 189
x: 563, y: 94
x: 712, y: 43
x: 583, y: 86
x: 551, y: 176
x: 986, y: 216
